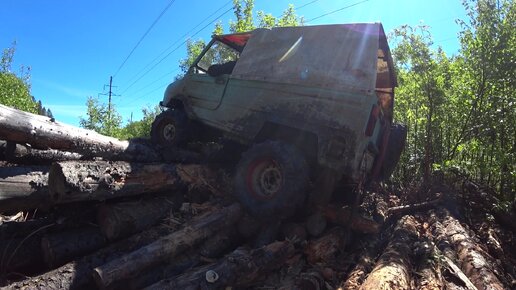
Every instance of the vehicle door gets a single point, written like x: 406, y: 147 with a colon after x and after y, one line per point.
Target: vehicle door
x: 207, y: 80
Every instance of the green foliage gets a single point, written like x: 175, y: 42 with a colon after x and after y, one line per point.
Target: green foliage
x: 142, y: 128
x: 15, y: 90
x: 101, y: 118
x: 461, y: 110
x: 243, y: 10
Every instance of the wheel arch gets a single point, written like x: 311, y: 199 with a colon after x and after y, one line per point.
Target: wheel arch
x: 305, y: 141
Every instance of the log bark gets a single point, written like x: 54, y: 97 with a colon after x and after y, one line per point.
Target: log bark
x: 342, y: 216
x: 392, y: 270
x: 238, y: 269
x: 429, y: 270
x: 23, y: 154
x: 71, y: 181
x: 324, y: 248
x: 474, y: 262
x: 60, y: 248
x: 23, y: 188
x: 199, y: 229
x: 213, y: 247
x: 364, y: 265
x: 122, y: 219
x: 77, y: 274
x: 45, y: 133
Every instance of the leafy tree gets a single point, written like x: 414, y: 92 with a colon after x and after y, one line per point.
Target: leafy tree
x: 15, y: 90
x: 142, y: 128
x: 101, y: 119
x: 461, y: 110
x: 243, y: 10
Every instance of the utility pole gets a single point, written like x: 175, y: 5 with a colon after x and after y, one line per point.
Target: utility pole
x: 110, y: 94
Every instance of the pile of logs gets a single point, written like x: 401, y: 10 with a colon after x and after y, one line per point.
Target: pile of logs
x: 79, y: 210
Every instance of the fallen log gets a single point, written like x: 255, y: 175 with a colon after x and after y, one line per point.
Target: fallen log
x: 238, y: 269
x: 23, y: 154
x: 412, y: 208
x: 71, y: 181
x: 429, y: 269
x: 120, y: 220
x: 324, y: 248
x: 60, y: 248
x: 364, y: 265
x: 199, y: 229
x: 21, y: 254
x: 342, y: 216
x: 392, y: 270
x: 23, y: 188
x: 77, y: 274
x: 2, y: 149
x: 213, y: 247
x: 294, y: 231
x: 45, y: 133
x: 475, y: 262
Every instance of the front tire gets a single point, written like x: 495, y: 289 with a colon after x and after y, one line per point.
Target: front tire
x: 271, y: 180
x: 170, y: 128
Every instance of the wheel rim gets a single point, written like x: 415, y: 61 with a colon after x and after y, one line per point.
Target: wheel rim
x: 169, y: 132
x: 264, y: 178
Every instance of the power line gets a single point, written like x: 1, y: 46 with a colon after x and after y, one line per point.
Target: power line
x: 179, y: 39
x: 335, y: 11
x: 176, y: 48
x: 304, y: 5
x: 144, y: 35
x: 161, y: 86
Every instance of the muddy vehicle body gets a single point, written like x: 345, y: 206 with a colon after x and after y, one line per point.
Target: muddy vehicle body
x: 299, y: 98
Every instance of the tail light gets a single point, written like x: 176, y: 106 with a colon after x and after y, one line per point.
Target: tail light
x: 373, y: 117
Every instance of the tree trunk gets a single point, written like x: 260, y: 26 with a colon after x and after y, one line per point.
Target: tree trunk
x: 71, y: 181
x: 77, y: 274
x: 341, y: 216
x: 238, y: 269
x: 199, y: 229
x: 474, y: 262
x: 61, y: 248
x: 23, y: 188
x: 119, y: 220
x: 22, y: 154
x: 393, y: 268
x: 45, y: 133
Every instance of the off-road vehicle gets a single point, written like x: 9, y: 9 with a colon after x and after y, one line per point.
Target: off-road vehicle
x: 302, y: 99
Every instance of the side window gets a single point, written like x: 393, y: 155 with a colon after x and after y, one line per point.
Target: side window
x: 219, y: 59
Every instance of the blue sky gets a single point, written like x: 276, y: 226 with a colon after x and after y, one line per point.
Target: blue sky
x: 73, y: 47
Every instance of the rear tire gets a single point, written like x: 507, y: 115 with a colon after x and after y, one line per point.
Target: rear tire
x: 170, y: 128
x: 271, y: 180
x: 397, y: 138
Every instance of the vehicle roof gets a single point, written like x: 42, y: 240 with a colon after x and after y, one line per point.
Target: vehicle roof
x: 350, y: 55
